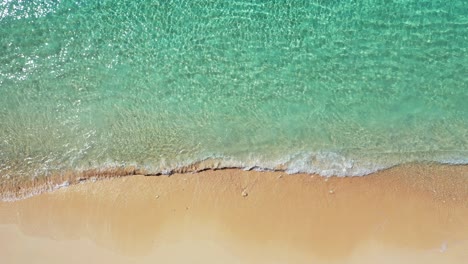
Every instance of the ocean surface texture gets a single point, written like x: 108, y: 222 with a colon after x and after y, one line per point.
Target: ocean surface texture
x: 331, y: 87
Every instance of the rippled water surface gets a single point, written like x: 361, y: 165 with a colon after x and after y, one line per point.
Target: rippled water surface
x: 334, y: 87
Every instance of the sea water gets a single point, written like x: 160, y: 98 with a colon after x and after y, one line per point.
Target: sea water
x: 331, y: 87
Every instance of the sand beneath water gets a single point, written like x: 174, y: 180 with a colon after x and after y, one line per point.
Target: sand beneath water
x: 408, y: 214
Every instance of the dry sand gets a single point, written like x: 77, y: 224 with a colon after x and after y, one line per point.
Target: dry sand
x: 408, y: 214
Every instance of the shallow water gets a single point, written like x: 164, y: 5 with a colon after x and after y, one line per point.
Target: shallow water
x: 331, y: 87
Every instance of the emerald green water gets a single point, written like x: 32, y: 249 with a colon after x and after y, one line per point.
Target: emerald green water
x: 331, y: 87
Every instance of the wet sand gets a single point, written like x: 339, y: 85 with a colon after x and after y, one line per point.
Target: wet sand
x: 408, y: 214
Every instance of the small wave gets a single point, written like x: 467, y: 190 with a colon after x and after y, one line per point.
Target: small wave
x: 326, y: 164
x: 322, y: 163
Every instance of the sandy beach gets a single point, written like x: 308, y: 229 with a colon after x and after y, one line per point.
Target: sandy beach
x: 407, y: 214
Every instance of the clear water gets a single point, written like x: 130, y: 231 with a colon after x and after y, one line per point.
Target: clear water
x: 331, y: 87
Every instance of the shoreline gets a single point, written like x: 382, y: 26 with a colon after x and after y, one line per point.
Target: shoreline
x: 23, y: 188
x: 410, y: 214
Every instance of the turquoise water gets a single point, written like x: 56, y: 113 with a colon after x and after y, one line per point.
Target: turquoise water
x: 331, y: 87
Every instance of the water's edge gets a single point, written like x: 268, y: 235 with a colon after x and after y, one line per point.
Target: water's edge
x: 11, y: 191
